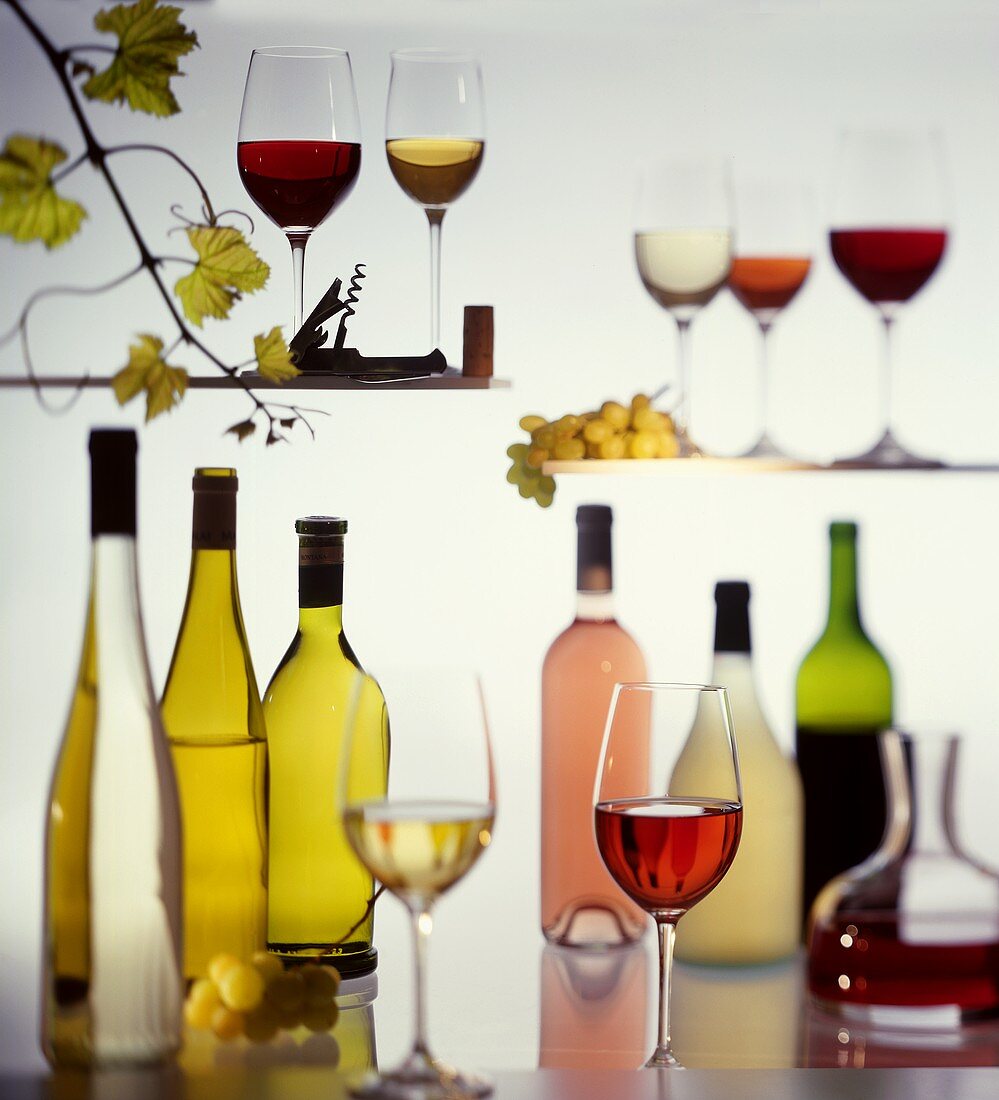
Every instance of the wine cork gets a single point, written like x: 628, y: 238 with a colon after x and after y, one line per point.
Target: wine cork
x: 477, y: 357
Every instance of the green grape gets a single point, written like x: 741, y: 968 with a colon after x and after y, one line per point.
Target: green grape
x: 269, y: 965
x: 596, y: 431
x: 544, y: 437
x: 569, y: 450
x: 262, y: 1024
x: 287, y: 992
x: 226, y: 1024
x: 532, y: 423
x: 241, y: 987
x: 615, y: 414
x: 320, y: 986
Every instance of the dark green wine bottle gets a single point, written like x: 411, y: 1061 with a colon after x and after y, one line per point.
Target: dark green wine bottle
x: 843, y: 698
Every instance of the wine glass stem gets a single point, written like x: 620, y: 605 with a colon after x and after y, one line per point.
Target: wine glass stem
x: 422, y: 926
x: 764, y: 376
x: 681, y: 414
x: 298, y: 241
x: 667, y: 934
x: 435, y: 217
x: 886, y: 370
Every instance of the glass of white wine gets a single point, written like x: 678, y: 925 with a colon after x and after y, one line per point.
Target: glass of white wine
x: 434, y: 139
x: 683, y: 248
x: 424, y: 837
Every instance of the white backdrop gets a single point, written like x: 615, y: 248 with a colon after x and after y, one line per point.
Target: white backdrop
x: 443, y: 557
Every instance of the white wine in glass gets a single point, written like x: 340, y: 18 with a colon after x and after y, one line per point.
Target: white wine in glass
x: 434, y: 140
x: 425, y: 836
x: 683, y: 249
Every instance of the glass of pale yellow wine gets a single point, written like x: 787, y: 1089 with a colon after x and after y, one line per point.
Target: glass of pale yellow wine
x: 434, y: 139
x: 425, y: 835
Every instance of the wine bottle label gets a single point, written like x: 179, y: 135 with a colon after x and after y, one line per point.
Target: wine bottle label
x: 320, y: 585
x: 320, y: 555
x: 214, y: 526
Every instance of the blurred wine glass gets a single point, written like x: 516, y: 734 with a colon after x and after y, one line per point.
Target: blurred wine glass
x: 888, y: 236
x: 683, y: 247
x: 299, y: 144
x: 426, y: 835
x: 772, y: 261
x: 435, y: 139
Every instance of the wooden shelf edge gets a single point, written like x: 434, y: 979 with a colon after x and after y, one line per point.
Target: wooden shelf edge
x: 303, y: 382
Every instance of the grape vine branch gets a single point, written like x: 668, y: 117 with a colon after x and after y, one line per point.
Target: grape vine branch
x: 151, y: 40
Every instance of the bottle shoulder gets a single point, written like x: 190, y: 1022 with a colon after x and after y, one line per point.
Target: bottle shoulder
x: 587, y: 637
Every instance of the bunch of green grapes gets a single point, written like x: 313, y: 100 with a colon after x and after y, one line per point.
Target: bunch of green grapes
x: 612, y: 431
x: 258, y: 998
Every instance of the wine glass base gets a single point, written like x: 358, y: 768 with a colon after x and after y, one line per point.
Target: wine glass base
x: 662, y: 1059
x: 423, y: 1081
x: 889, y: 453
x: 765, y: 448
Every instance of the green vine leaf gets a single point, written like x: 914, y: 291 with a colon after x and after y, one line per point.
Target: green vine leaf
x: 30, y: 207
x: 151, y: 41
x: 227, y: 267
x: 273, y: 357
x: 531, y: 483
x: 148, y: 371
x: 242, y: 429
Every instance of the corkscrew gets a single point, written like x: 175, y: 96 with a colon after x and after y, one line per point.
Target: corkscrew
x: 311, y: 356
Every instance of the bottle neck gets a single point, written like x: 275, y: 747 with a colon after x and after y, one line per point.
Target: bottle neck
x: 595, y: 607
x: 321, y: 620
x: 212, y: 584
x: 844, y: 609
x: 320, y: 584
x: 116, y: 644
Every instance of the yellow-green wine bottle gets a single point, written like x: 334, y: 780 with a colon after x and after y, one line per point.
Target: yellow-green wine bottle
x: 112, y: 989
x: 211, y: 709
x: 320, y: 896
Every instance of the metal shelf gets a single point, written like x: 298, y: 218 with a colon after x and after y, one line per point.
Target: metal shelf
x: 304, y: 382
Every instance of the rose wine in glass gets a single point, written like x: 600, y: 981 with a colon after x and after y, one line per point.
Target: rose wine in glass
x: 888, y: 237
x: 668, y: 840
x: 299, y: 145
x: 683, y: 249
x: 435, y: 140
x: 425, y: 836
x: 770, y: 266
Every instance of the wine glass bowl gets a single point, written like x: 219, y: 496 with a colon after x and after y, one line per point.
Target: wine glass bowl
x: 770, y: 266
x: 299, y: 144
x: 426, y: 835
x: 668, y: 839
x: 888, y: 236
x: 434, y: 140
x: 683, y: 250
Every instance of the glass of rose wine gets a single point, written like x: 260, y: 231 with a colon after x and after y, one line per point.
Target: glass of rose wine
x: 425, y: 836
x: 772, y: 261
x: 683, y: 247
x: 888, y: 237
x: 299, y: 144
x: 435, y: 131
x: 668, y: 841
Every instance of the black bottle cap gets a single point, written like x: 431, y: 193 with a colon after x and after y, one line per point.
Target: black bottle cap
x: 732, y: 617
x: 112, y: 481
x: 593, y: 548
x: 321, y: 525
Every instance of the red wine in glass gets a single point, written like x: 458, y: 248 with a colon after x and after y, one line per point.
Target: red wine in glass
x: 888, y: 265
x: 667, y: 853
x: 297, y: 184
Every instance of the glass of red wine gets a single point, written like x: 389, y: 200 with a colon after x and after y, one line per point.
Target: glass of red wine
x: 771, y: 263
x: 299, y: 144
x: 668, y: 840
x: 888, y: 237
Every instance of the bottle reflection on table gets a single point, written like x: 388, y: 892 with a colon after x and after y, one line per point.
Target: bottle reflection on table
x: 831, y: 1043
x: 737, y: 1017
x: 349, y: 1046
x: 593, y: 1008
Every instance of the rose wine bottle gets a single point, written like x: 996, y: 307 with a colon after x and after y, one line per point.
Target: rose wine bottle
x: 844, y: 699
x: 112, y: 989
x: 319, y: 902
x: 754, y: 914
x: 212, y: 713
x: 580, y: 904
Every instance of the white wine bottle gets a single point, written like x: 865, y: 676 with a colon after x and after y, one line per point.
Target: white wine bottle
x: 754, y: 914
x: 215, y: 723
x: 319, y: 901
x: 112, y: 990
